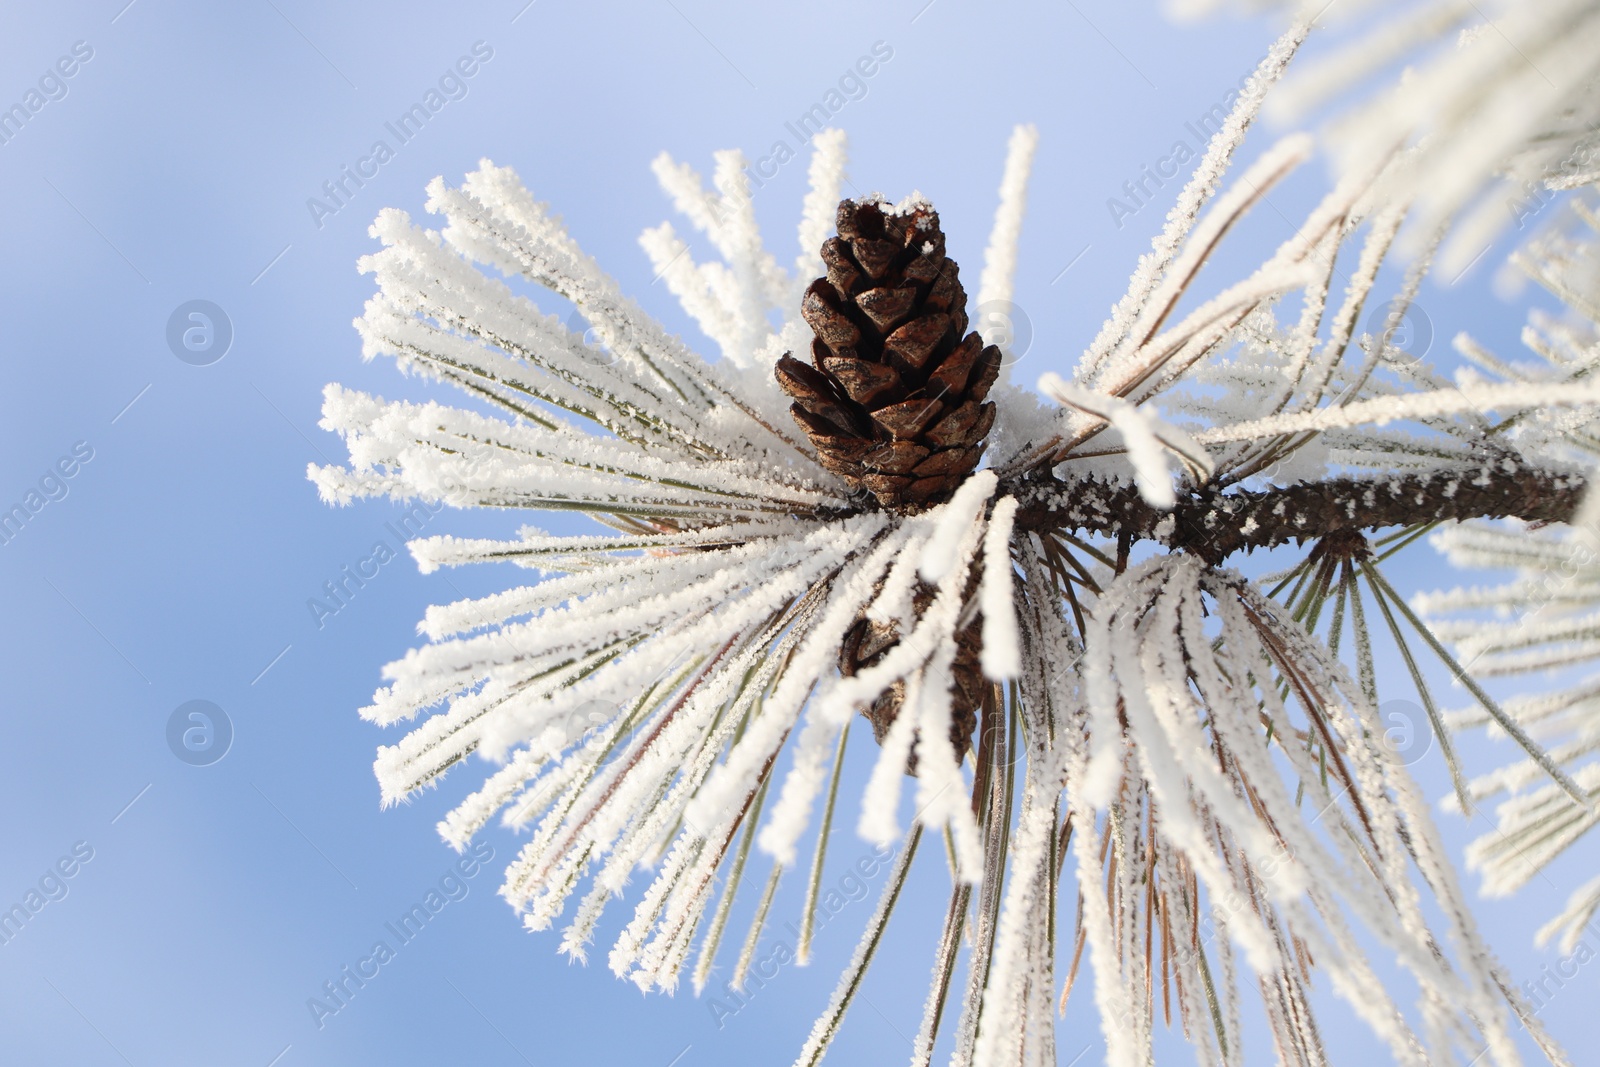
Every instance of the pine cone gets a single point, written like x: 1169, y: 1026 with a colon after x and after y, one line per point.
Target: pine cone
x: 867, y: 641
x: 893, y: 399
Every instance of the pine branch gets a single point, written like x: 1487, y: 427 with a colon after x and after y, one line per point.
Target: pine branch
x: 1215, y: 525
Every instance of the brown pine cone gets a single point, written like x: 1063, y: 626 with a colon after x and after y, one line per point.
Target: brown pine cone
x: 893, y: 399
x: 867, y: 641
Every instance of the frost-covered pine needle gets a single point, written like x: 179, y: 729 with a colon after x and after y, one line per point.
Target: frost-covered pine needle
x: 1180, y: 759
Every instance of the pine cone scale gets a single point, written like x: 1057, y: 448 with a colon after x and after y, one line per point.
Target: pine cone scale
x: 886, y: 307
x: 873, y: 256
x: 906, y: 420
x: 865, y: 383
x: 831, y: 325
x: 912, y: 345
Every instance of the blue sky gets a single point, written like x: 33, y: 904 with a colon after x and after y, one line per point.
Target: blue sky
x: 182, y: 160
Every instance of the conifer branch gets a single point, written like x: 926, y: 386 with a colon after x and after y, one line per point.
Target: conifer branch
x: 1216, y: 525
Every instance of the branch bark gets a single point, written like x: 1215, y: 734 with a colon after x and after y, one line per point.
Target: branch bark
x: 1215, y: 525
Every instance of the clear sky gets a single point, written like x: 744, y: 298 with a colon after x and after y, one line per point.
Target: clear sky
x: 184, y: 159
